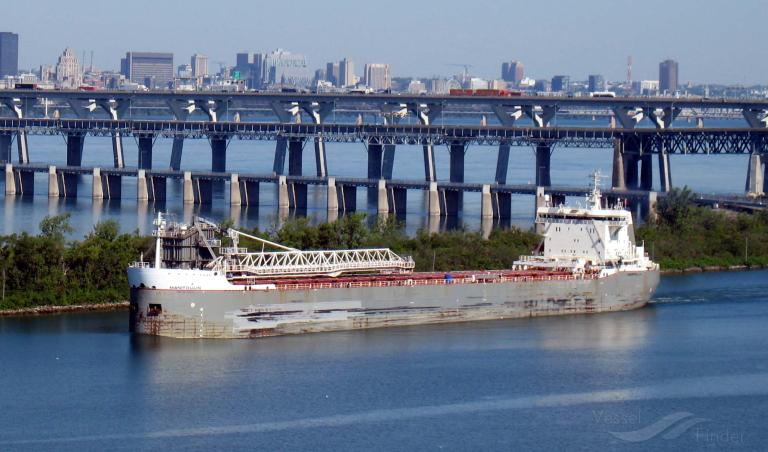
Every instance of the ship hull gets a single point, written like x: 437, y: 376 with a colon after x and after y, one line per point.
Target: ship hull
x: 251, y: 314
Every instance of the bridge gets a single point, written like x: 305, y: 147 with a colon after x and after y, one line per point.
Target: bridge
x: 644, y: 129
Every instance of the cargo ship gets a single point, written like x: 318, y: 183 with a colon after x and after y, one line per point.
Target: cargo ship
x: 203, y: 284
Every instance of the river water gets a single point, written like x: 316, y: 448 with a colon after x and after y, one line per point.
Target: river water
x: 688, y: 372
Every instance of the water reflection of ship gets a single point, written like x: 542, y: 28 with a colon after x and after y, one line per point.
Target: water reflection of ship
x: 628, y: 330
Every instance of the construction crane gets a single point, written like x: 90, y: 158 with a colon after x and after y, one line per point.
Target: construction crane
x: 465, y: 74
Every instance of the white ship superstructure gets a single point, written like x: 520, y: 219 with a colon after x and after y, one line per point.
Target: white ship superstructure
x: 198, y: 286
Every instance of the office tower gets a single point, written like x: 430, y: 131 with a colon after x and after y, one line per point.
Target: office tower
x: 332, y: 73
x: 668, y: 76
x: 151, y: 69
x: 284, y: 67
x: 68, y: 71
x: 596, y: 83
x: 347, y: 73
x: 561, y: 83
x: 378, y: 76
x: 199, y: 65
x: 513, y: 72
x: 9, y: 54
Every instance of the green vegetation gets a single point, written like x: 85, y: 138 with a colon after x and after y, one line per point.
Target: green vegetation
x: 47, y: 270
x: 689, y: 236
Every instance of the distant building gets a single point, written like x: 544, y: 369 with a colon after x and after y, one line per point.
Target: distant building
x: 378, y: 77
x: 513, y: 72
x: 561, y: 83
x: 250, y: 69
x: 542, y: 86
x: 347, y: 73
x: 9, y: 54
x: 645, y: 87
x: 596, y: 83
x: 283, y: 67
x: 332, y: 73
x: 184, y: 71
x: 69, y: 74
x: 477, y: 83
x: 498, y: 84
x: 417, y: 87
x: 47, y: 73
x: 151, y: 69
x: 199, y: 65
x: 437, y: 86
x: 668, y: 76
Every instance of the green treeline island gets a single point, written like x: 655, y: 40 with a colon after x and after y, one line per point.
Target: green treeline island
x: 48, y: 270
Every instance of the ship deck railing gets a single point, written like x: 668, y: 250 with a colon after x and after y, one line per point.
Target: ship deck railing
x: 139, y: 265
x: 432, y: 282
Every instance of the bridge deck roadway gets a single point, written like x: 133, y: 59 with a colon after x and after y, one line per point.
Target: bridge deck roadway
x: 676, y: 140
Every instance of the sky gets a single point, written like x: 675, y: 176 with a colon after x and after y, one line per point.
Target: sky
x: 714, y: 41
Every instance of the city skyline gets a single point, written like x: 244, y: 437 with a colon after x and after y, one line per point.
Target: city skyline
x: 474, y: 38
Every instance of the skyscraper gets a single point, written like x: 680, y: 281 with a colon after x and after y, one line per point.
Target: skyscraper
x: 281, y: 66
x: 378, y: 76
x: 332, y: 73
x: 561, y: 83
x: 668, y: 76
x: 199, y: 65
x: 513, y: 72
x: 9, y: 54
x: 68, y: 71
x: 596, y: 83
x: 346, y: 73
x: 151, y: 69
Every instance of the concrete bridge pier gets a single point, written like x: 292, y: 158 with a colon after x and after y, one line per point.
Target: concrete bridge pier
x: 282, y: 194
x: 502, y: 205
x: 10, y: 180
x: 61, y: 184
x: 243, y: 192
x: 755, y: 185
x: 347, y: 198
x: 332, y: 197
x: 6, y: 139
x: 539, y: 201
x: 281, y: 147
x: 218, y: 154
x: 486, y: 202
x: 106, y: 186
x: 75, y: 144
x: 457, y: 153
x: 665, y: 172
x: 177, y: 148
x: 197, y: 190
x: 382, y: 198
x: 618, y: 181
x: 53, y: 182
x: 433, y: 200
x: 648, y: 207
x: 397, y: 198
x: 543, y: 165
x: 145, y: 151
x: 150, y: 188
x: 375, y: 154
x: 502, y: 163
x: 646, y: 171
x: 388, y: 161
x: 19, y: 181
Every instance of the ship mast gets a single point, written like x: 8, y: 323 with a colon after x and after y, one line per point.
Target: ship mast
x: 159, y: 226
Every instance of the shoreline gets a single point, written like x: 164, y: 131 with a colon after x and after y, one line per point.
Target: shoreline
x: 123, y: 305
x: 51, y: 309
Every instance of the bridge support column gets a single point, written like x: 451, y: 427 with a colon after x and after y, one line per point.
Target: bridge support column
x: 22, y: 145
x: 282, y: 194
x: 617, y: 180
x: 382, y: 198
x: 117, y: 150
x: 142, y: 193
x: 539, y: 202
x: 433, y: 199
x: 67, y: 184
x: 430, y: 173
x: 5, y: 147
x: 249, y: 192
x: 502, y: 205
x: 502, y: 163
x: 218, y: 154
x: 457, y: 153
x: 145, y: 152
x: 203, y: 191
x: 189, y: 191
x: 375, y: 152
x: 10, y: 180
x: 332, y: 197
x: 75, y: 143
x: 97, y: 190
x: 320, y: 159
x: 295, y: 151
x: 665, y: 172
x: 280, y: 149
x: 347, y: 198
x: 649, y: 207
x: 388, y: 161
x: 176, y: 151
x: 486, y: 203
x: 543, y: 165
x: 53, y: 182
x: 646, y: 172
x: 755, y: 185
x: 234, y: 190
